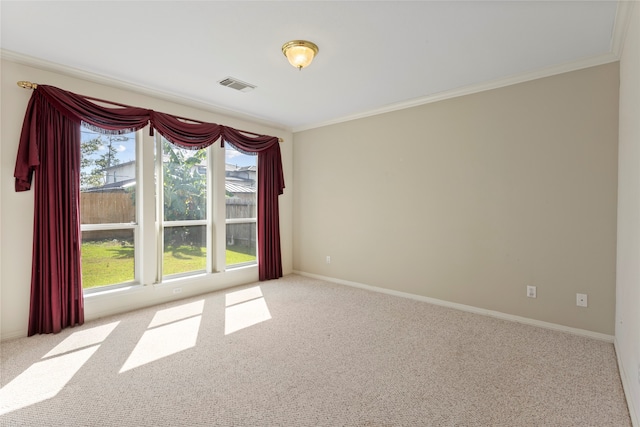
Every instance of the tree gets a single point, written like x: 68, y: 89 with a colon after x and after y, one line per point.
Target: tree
x: 185, y: 190
x: 109, y: 158
x: 90, y: 176
x: 93, y: 167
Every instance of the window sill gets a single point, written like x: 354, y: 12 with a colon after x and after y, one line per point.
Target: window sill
x: 121, y: 290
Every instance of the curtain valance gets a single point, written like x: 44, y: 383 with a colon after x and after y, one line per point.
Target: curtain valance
x: 124, y: 119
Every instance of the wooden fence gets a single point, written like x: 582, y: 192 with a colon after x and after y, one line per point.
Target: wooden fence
x: 103, y: 207
x: 106, y: 207
x: 241, y: 235
x: 118, y: 207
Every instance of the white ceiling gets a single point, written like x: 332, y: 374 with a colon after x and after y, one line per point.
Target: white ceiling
x: 373, y: 55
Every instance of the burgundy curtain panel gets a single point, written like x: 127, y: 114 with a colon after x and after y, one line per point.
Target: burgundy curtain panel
x: 270, y: 186
x: 50, y: 147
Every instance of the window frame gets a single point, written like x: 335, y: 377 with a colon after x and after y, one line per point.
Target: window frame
x: 162, y: 223
x: 253, y: 220
x: 135, y: 226
x: 149, y: 226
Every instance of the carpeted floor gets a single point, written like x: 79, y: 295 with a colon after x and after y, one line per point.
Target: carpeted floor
x: 303, y: 352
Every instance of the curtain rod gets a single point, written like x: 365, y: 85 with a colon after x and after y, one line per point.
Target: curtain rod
x: 28, y: 85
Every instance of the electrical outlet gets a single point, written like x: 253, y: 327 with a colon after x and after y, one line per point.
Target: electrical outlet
x: 581, y: 300
x: 328, y: 259
x: 177, y: 290
x: 531, y: 291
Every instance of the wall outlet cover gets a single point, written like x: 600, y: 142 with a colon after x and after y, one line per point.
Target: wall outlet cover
x: 581, y: 300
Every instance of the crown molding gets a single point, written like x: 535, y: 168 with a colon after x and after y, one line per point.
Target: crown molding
x: 622, y: 20
x: 621, y: 24
x: 44, y: 65
x: 472, y: 89
x: 618, y: 36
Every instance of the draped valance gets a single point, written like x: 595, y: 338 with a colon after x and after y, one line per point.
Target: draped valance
x: 189, y: 134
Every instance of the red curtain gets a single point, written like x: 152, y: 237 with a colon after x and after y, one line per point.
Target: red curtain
x: 270, y: 177
x: 270, y: 186
x: 50, y: 145
x: 56, y: 281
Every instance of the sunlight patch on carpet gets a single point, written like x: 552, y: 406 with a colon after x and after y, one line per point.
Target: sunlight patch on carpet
x: 82, y: 339
x: 244, y: 295
x: 244, y: 308
x: 171, y: 331
x: 44, y: 380
x: 162, y: 317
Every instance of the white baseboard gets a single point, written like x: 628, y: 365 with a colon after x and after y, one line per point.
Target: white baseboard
x: 468, y: 308
x: 11, y: 335
x: 633, y: 410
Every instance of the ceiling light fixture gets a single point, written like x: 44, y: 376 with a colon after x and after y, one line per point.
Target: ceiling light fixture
x: 300, y: 53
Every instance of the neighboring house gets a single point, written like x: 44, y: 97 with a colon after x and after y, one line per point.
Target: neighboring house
x: 239, y: 191
x: 239, y: 180
x: 113, y: 187
x: 245, y: 175
x: 120, y: 172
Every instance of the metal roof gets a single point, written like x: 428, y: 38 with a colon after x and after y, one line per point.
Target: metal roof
x: 230, y: 187
x: 234, y: 188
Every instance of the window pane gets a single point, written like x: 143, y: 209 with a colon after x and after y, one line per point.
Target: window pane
x: 107, y: 206
x: 241, y: 243
x: 240, y: 201
x: 185, y: 249
x: 185, y: 183
x: 107, y: 257
x: 107, y: 178
x: 240, y: 184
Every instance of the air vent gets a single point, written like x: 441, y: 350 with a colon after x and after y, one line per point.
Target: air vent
x: 236, y: 84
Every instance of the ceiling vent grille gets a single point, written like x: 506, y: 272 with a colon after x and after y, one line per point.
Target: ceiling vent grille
x: 236, y: 84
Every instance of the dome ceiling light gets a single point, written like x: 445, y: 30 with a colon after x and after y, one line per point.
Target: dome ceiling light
x: 300, y: 53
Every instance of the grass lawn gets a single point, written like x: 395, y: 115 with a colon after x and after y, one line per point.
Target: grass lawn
x: 110, y: 262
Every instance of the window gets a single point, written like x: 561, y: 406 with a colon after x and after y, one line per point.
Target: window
x: 185, y: 222
x: 240, y: 201
x: 107, y: 208
x: 127, y: 238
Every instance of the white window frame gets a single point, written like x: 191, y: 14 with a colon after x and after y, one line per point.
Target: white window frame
x: 149, y: 226
x: 162, y: 224
x: 241, y: 221
x: 135, y: 226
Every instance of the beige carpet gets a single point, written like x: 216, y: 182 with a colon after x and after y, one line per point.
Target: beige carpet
x: 302, y: 352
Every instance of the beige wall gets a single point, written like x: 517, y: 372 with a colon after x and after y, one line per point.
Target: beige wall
x: 16, y: 220
x: 471, y: 199
x: 628, y: 267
